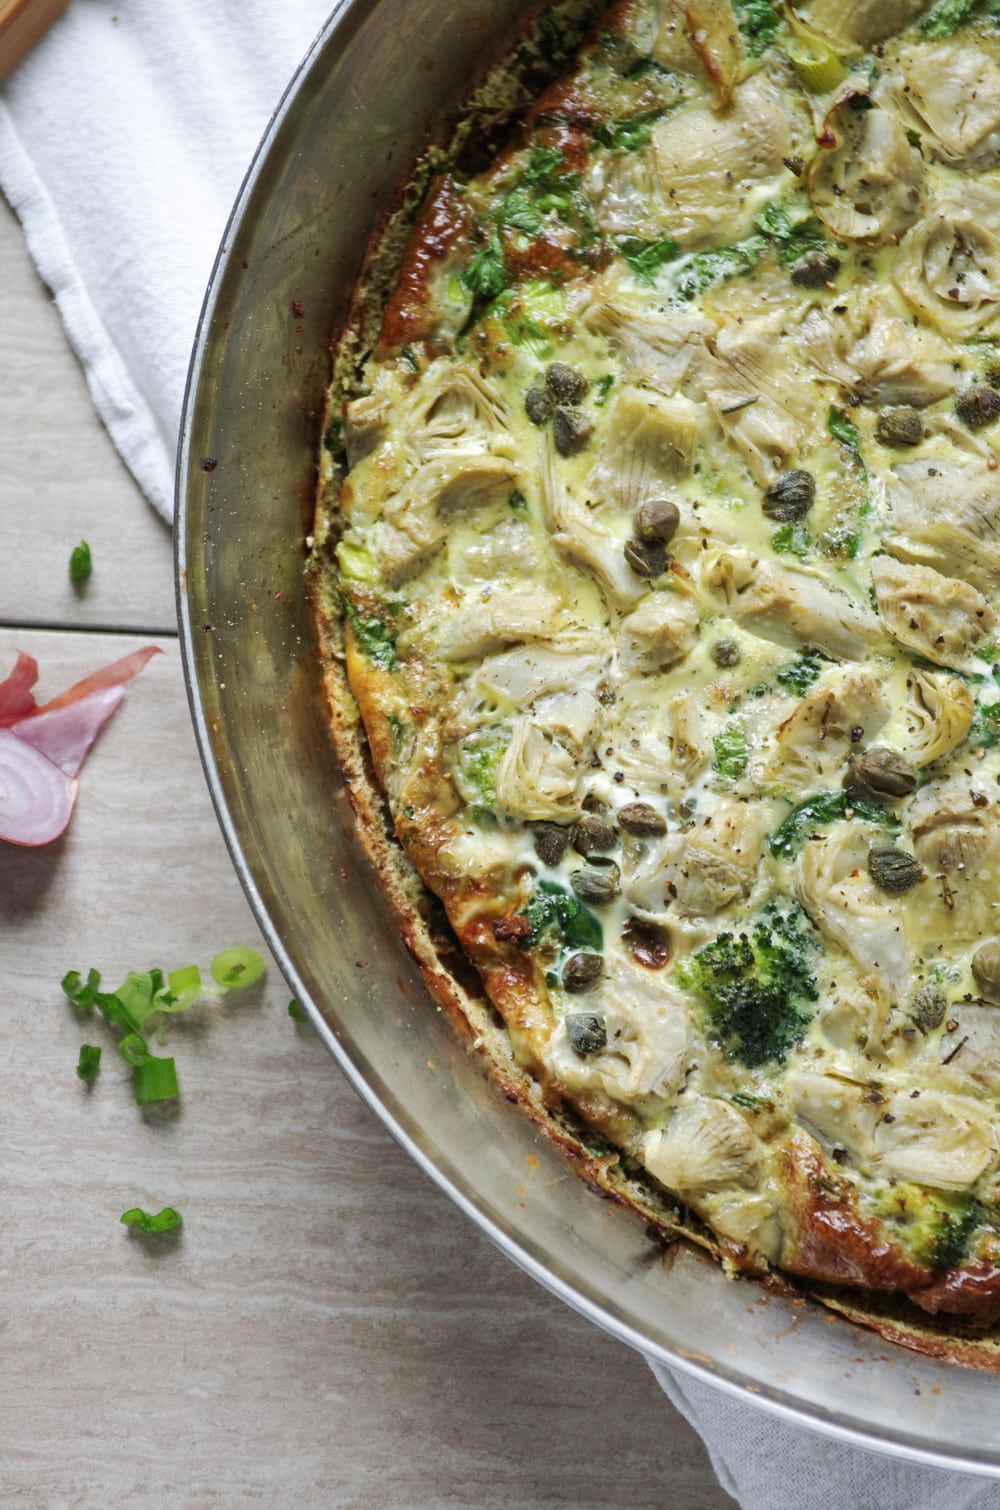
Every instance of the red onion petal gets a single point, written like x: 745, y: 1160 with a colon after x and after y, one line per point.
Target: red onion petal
x: 117, y: 674
x: 16, y: 699
x: 36, y: 797
x: 65, y: 734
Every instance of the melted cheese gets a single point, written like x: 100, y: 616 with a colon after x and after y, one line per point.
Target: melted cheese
x: 491, y: 559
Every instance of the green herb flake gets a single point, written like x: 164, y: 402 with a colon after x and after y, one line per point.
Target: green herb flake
x: 731, y: 753
x: 297, y: 1011
x: 518, y: 502
x: 167, y: 1220
x: 80, y: 563
x: 646, y: 258
x: 89, y: 1062
x: 407, y: 356
x: 799, y: 675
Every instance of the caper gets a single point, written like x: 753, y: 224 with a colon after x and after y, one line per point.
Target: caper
x: 978, y: 406
x: 586, y: 1031
x: 900, y: 427
x: 881, y: 770
x: 656, y: 521
x: 894, y: 870
x: 928, y: 1007
x: 790, y: 496
x: 597, y: 883
x: 571, y: 430
x: 550, y: 842
x: 726, y: 653
x: 645, y: 560
x: 986, y: 970
x: 642, y: 820
x: 816, y: 270
x: 538, y: 406
x: 566, y: 385
x: 594, y: 834
x: 581, y: 971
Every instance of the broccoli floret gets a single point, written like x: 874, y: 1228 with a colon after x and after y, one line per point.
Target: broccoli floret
x: 755, y: 987
x: 936, y: 1227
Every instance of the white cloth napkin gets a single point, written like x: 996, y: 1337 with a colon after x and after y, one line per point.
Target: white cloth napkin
x: 124, y: 137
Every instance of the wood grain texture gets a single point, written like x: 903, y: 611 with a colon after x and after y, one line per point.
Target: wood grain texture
x: 62, y: 478
x: 21, y: 24
x: 326, y: 1330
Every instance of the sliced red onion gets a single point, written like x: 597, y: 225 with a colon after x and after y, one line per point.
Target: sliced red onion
x: 116, y: 675
x: 65, y: 734
x: 16, y: 699
x: 36, y: 797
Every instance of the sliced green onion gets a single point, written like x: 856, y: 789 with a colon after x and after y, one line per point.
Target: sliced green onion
x: 238, y: 967
x: 89, y: 1062
x: 136, y: 992
x: 134, y: 1049
x: 297, y: 1011
x: 167, y: 1220
x: 155, y: 1080
x: 80, y: 563
x: 817, y: 65
x: 182, y: 990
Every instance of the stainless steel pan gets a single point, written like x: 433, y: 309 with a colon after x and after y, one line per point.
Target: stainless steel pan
x: 371, y: 91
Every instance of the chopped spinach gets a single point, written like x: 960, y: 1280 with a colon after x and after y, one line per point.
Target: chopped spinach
x: 758, y: 21
x: 629, y: 132
x: 731, y: 753
x: 948, y: 15
x: 844, y: 430
x: 378, y: 642
x: 486, y: 274
x: 554, y: 912
x: 985, y: 730
x: 792, y: 239
x: 602, y: 387
x: 791, y: 539
x: 706, y: 268
x: 825, y: 807
x: 645, y: 258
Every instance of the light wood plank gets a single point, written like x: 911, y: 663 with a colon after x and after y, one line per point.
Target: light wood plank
x: 327, y: 1330
x: 21, y: 24
x: 62, y: 479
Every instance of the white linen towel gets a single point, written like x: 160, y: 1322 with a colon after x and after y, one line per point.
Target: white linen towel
x: 124, y: 137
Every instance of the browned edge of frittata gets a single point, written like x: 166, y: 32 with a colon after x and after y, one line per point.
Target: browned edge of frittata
x: 417, y: 914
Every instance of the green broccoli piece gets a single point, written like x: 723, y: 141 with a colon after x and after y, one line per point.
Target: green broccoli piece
x: 937, y: 1227
x: 480, y: 758
x: 755, y: 988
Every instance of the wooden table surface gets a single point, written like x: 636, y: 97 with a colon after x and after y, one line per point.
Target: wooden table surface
x: 326, y: 1330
